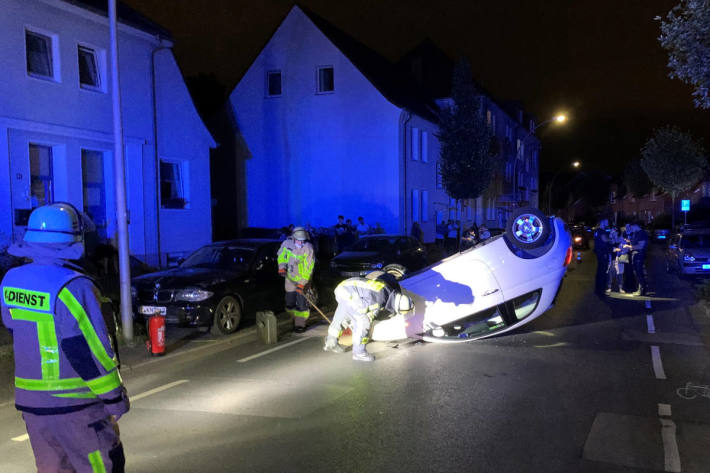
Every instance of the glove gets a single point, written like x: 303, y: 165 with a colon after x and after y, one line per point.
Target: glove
x: 300, y: 288
x: 118, y: 406
x: 282, y: 272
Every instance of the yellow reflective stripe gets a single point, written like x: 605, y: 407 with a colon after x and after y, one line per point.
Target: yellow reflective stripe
x: 49, y: 385
x: 15, y: 296
x: 84, y: 395
x: 47, y: 338
x: 106, y: 383
x: 97, y: 348
x: 97, y: 463
x: 301, y: 313
x: 283, y: 255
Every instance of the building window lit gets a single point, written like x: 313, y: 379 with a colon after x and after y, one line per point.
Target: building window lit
x: 41, y: 52
x: 41, y: 176
x: 326, y: 79
x: 91, y: 68
x: 273, y: 83
x: 174, y: 185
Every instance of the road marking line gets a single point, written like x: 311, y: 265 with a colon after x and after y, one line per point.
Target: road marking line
x: 248, y: 358
x: 648, y: 304
x: 670, y: 445
x: 664, y: 409
x: 158, y: 389
x: 657, y: 364
x: 21, y: 438
x: 651, y: 325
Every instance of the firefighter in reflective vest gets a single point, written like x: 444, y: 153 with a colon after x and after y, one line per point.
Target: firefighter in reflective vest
x: 67, y: 383
x: 296, y: 259
x: 359, y: 301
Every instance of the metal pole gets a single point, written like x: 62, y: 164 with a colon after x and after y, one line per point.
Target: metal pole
x: 124, y: 269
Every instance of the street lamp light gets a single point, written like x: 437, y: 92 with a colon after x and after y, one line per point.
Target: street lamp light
x: 559, y: 119
x: 575, y: 165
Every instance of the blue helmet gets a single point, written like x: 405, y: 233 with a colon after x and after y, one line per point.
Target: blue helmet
x: 54, y: 223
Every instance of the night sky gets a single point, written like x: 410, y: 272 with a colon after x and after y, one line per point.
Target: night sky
x: 599, y: 60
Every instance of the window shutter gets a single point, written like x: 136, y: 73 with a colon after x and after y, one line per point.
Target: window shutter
x: 415, y: 144
x: 425, y: 147
x: 425, y: 206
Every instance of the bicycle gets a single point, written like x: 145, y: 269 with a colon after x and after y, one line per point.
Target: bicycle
x: 691, y: 391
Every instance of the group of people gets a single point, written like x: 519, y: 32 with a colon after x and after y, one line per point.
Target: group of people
x: 621, y: 255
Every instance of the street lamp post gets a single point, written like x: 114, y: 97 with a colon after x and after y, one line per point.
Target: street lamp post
x: 575, y: 165
x: 560, y: 118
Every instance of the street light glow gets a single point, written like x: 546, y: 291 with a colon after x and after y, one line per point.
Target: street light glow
x: 576, y: 164
x: 561, y: 118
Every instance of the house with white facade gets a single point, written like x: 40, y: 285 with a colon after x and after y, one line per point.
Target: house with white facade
x: 56, y: 141
x: 328, y: 127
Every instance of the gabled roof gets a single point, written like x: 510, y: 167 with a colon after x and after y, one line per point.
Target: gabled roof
x: 126, y: 15
x: 395, y: 86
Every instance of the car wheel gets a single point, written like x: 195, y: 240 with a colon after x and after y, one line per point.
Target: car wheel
x: 227, y: 316
x: 527, y: 228
x: 396, y: 270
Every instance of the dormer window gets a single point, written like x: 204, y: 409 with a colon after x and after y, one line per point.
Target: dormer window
x: 41, y: 54
x: 326, y: 79
x: 273, y: 83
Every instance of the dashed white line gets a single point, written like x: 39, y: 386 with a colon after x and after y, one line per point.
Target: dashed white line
x: 657, y: 363
x: 263, y: 353
x: 670, y: 445
x: 664, y: 409
x: 650, y: 324
x: 158, y: 389
x: 20, y: 438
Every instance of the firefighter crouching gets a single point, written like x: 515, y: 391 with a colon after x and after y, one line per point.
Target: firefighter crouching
x: 67, y: 383
x: 296, y: 259
x: 359, y: 301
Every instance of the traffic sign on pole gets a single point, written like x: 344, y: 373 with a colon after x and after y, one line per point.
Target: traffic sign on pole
x: 685, y: 205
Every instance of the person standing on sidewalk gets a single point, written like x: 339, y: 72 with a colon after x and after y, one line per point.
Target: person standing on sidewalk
x: 296, y: 259
x: 602, y: 248
x: 639, y: 245
x: 67, y: 383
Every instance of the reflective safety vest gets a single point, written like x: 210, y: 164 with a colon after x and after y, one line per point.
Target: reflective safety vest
x: 42, y: 312
x: 298, y: 262
x: 366, y: 296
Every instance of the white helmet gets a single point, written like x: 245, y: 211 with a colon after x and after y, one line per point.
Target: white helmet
x: 403, y: 303
x: 299, y: 233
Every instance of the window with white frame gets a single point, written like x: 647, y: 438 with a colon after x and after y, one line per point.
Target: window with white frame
x: 41, y: 175
x: 91, y: 68
x: 425, y: 147
x: 41, y: 51
x: 415, y: 144
x: 273, y: 84
x: 173, y: 184
x: 425, y: 206
x: 326, y: 79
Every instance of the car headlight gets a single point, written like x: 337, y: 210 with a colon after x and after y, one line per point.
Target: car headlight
x: 688, y: 258
x: 577, y: 239
x: 192, y: 295
x: 376, y: 265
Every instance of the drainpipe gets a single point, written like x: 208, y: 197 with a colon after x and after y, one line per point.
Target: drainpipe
x: 156, y: 156
x: 404, y: 149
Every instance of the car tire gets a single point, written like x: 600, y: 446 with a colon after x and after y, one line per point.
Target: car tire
x: 227, y: 316
x: 527, y: 228
x: 396, y: 270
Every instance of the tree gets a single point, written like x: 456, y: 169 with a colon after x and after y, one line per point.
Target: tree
x: 685, y: 34
x: 673, y: 161
x: 467, y: 164
x: 636, y: 181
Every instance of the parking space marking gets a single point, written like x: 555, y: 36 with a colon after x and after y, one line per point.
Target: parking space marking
x: 267, y: 352
x: 657, y: 363
x: 670, y: 445
x: 20, y: 438
x: 664, y: 409
x: 650, y: 324
x: 158, y: 389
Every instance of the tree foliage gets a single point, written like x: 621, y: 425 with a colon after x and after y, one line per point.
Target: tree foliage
x: 636, y: 181
x: 673, y: 161
x: 467, y: 164
x: 685, y: 34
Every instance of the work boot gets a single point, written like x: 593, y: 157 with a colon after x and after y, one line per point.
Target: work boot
x: 363, y: 356
x: 331, y: 344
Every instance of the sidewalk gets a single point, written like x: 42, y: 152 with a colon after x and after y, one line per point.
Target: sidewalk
x: 179, y: 341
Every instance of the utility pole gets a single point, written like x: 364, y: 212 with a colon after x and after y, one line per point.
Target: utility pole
x: 124, y: 269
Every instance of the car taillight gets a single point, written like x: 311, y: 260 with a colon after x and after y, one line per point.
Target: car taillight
x: 568, y: 256
x: 577, y: 239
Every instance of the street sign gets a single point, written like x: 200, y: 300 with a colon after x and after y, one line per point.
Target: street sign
x: 685, y: 205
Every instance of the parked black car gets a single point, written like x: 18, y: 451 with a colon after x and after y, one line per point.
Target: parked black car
x: 374, y: 252
x: 215, y: 286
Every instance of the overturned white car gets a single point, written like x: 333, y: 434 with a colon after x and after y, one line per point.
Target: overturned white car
x: 496, y: 286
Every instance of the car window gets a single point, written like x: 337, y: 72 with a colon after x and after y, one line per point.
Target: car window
x: 266, y: 258
x: 695, y: 241
x: 404, y: 243
x: 373, y: 244
x: 204, y: 257
x: 235, y: 258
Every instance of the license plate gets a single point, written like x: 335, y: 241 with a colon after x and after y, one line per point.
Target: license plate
x: 350, y: 274
x: 706, y: 266
x: 152, y: 310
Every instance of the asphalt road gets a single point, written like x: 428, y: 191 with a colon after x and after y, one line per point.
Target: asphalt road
x: 582, y: 389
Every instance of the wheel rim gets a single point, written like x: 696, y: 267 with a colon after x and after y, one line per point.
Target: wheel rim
x: 228, y: 314
x: 527, y: 228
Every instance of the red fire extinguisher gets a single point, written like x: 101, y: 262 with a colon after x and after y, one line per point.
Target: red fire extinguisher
x: 156, y: 335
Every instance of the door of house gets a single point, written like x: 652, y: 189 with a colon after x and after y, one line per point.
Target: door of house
x: 32, y: 184
x: 94, y: 189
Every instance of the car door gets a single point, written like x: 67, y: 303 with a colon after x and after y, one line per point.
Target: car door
x: 268, y: 286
